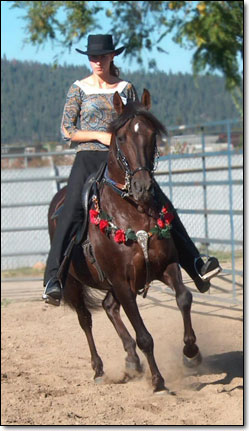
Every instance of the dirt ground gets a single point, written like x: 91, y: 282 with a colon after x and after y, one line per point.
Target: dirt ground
x: 47, y: 377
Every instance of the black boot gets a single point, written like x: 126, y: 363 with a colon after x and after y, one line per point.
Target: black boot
x: 205, y: 272
x: 53, y: 292
x: 189, y: 256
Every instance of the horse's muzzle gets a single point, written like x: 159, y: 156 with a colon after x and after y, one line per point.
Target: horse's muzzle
x: 142, y: 188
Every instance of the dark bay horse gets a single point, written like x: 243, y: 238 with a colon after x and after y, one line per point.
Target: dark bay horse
x: 129, y: 233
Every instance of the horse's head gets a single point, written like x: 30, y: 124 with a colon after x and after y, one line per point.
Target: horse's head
x: 134, y: 145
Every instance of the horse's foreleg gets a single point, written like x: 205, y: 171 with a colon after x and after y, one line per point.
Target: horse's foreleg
x: 112, y: 309
x: 144, y: 340
x: 173, y: 278
x: 85, y: 320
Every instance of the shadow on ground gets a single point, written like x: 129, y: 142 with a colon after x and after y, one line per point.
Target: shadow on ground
x: 230, y: 363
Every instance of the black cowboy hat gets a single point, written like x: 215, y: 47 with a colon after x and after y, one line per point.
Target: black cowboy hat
x: 100, y: 44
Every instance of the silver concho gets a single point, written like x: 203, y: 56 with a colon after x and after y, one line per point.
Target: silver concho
x: 142, y: 239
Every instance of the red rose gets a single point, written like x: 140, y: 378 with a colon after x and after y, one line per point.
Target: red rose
x: 168, y: 218
x: 164, y: 210
x: 94, y: 216
x: 103, y: 225
x: 119, y: 236
x: 160, y: 223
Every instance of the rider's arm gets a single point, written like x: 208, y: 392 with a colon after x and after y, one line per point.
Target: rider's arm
x: 71, y: 113
x: 89, y: 135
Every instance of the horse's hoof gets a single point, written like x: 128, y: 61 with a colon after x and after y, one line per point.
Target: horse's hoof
x: 130, y: 365
x: 125, y: 379
x: 192, y: 362
x: 133, y: 368
x: 164, y: 391
x: 99, y: 379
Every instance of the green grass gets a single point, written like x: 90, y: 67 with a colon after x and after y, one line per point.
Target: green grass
x: 222, y: 256
x: 22, y: 272
x: 5, y: 302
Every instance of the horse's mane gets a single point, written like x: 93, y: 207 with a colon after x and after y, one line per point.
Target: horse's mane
x: 133, y: 109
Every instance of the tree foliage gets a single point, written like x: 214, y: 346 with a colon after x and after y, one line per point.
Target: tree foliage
x: 213, y: 28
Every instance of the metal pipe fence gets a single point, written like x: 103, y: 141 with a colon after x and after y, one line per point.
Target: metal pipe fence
x: 204, y: 182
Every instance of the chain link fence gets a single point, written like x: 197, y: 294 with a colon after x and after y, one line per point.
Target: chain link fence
x: 200, y: 170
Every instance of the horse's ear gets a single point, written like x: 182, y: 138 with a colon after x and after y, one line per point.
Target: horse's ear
x: 118, y: 103
x: 146, y: 99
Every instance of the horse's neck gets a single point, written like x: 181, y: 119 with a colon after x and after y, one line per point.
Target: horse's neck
x: 111, y: 202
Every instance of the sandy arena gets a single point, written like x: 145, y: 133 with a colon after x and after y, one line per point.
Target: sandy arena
x: 47, y: 377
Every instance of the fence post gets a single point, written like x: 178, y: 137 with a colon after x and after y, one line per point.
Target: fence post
x: 231, y: 205
x: 170, y: 172
x: 56, y: 173
x: 204, y: 187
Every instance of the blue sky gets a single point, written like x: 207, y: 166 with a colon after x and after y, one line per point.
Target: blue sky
x: 13, y: 34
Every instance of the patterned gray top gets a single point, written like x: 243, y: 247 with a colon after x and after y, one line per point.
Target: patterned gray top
x: 89, y: 108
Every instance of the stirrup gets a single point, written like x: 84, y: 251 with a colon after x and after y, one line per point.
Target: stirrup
x: 210, y: 274
x: 49, y: 299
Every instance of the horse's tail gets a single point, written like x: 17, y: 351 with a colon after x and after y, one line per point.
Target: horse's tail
x: 93, y: 298
x: 76, y: 293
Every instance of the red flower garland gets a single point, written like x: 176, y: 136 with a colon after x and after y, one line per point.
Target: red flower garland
x: 119, y: 236
x: 103, y: 224
x: 94, y: 216
x: 106, y: 226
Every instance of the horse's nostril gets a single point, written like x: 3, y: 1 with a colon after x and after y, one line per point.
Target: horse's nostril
x: 137, y: 186
x: 149, y: 186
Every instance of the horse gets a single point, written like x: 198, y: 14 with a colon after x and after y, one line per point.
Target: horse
x: 130, y: 241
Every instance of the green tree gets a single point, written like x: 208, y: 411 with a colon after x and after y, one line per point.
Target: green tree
x: 213, y: 28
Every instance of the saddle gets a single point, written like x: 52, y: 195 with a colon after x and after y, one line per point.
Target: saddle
x: 91, y: 187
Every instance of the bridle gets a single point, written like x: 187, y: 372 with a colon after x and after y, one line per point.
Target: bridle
x: 129, y: 174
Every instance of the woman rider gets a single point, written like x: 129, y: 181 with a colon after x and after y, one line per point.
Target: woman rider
x: 90, y: 101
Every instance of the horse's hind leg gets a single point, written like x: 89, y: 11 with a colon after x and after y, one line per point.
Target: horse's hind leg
x: 112, y: 308
x: 85, y: 320
x: 73, y: 296
x: 173, y: 278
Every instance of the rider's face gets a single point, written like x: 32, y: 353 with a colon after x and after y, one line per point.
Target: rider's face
x: 100, y: 64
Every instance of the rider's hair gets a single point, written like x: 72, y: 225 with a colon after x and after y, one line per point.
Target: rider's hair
x: 114, y: 70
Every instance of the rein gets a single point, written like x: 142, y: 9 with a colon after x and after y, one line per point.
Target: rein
x: 120, y: 189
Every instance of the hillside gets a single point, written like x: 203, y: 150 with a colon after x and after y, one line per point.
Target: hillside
x: 33, y: 96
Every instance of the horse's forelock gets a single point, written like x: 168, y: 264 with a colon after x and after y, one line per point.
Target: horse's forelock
x: 132, y: 110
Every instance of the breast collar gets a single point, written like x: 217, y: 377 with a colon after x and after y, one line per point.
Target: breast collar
x: 117, y: 187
